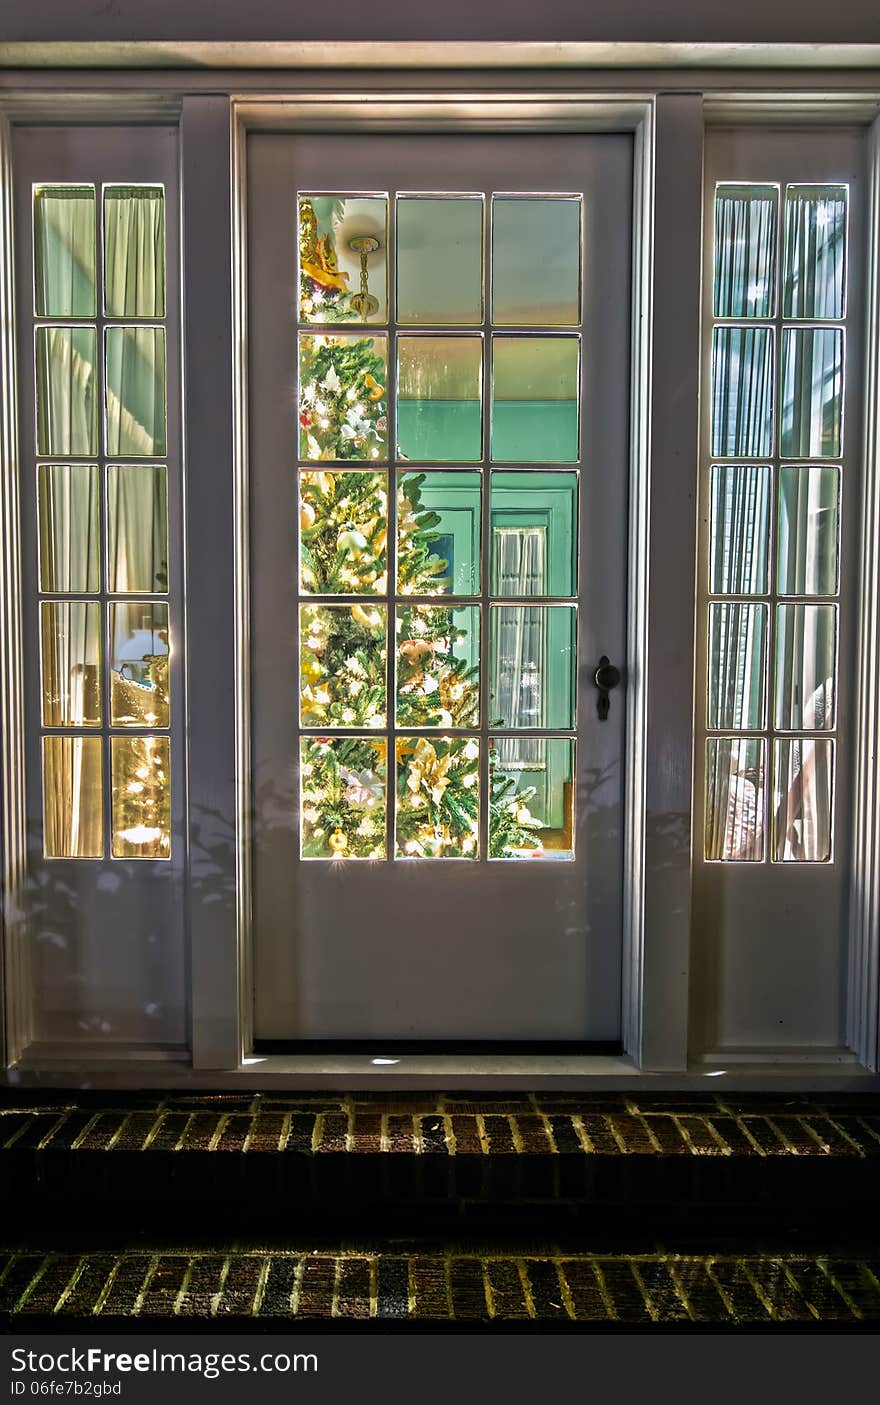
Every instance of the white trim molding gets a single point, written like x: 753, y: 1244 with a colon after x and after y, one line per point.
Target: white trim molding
x: 863, y: 1012
x: 15, y: 1010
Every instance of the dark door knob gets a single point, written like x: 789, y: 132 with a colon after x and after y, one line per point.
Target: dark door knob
x: 606, y: 677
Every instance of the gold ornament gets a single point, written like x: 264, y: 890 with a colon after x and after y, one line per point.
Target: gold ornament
x: 375, y: 391
x: 337, y: 841
x: 306, y: 516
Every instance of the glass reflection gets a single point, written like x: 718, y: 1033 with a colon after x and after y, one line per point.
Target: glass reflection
x: 331, y: 287
x: 343, y: 536
x: 64, y: 251
x: 135, y: 386
x: 70, y: 559
x: 342, y: 406
x: 440, y: 260
x: 137, y: 528
x: 531, y: 809
x: 805, y: 667
x: 67, y: 395
x: 534, y: 534
x: 134, y: 250
x: 745, y: 250
x: 742, y: 392
x: 437, y: 798
x: 343, y: 651
x: 734, y: 824
x: 815, y: 251
x: 438, y: 534
x: 536, y: 261
x: 70, y: 632
x: 802, y: 791
x: 535, y: 399
x: 808, y: 530
x: 739, y: 530
x: 342, y: 794
x: 139, y: 677
x: 812, y: 390
x: 737, y: 666
x: 141, y: 797
x: 73, y: 805
x: 438, y: 655
x: 439, y: 409
x: 532, y: 651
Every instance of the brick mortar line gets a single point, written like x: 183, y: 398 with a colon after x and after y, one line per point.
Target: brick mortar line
x: 759, y: 1292
x: 222, y: 1123
x: 481, y: 1133
x: 515, y: 1134
x: 800, y: 1291
x: 488, y: 1290
x: 740, y: 1122
x: 789, y: 1145
x: 334, y: 1292
x: 552, y: 1255
x: 672, y: 1265
x: 721, y: 1290
x: 565, y: 1290
x: 634, y: 1112
x: 844, y: 1133
x: 71, y: 1284
x: 119, y: 1130
x: 144, y: 1288
x: 257, y: 1305
x: 217, y: 1297
x: 184, y: 1287
x: 526, y: 1286
x: 581, y: 1133
x: 862, y: 1121
x: 38, y: 1275
x: 296, y: 1290
x: 825, y: 1268
x: 410, y: 1287
x: 374, y: 1286
x: 99, y: 1302
x: 646, y: 1296
x: 158, y: 1121
x: 605, y: 1292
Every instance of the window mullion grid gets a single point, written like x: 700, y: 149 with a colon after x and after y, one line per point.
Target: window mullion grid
x: 391, y: 543
x: 486, y: 533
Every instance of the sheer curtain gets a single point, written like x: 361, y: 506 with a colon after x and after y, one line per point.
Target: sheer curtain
x: 134, y: 251
x: 137, y: 514
x: 520, y: 571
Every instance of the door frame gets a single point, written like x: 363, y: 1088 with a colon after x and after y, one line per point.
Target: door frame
x: 668, y: 128
x: 656, y: 923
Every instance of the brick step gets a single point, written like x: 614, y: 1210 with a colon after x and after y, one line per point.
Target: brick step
x: 278, y: 1156
x: 148, y: 1288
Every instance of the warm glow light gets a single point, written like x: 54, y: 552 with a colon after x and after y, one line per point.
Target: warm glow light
x: 140, y: 834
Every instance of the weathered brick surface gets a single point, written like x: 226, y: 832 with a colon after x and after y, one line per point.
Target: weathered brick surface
x: 432, y: 1285
x: 353, y: 1289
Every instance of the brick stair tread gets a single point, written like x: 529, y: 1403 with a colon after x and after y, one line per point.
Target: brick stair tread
x: 144, y: 1287
x: 749, y: 1128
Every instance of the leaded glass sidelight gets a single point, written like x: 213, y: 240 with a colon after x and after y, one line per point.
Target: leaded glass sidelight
x: 448, y: 685
x: 101, y: 394
x: 774, y: 526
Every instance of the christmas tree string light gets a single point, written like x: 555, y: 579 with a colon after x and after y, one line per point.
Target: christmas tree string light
x: 343, y: 517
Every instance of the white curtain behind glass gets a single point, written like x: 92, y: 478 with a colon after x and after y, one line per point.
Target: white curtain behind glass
x: 520, y: 571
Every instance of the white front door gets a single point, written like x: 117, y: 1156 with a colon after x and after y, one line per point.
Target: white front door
x: 439, y: 392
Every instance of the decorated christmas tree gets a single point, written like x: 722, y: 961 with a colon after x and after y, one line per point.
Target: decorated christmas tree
x: 344, y: 646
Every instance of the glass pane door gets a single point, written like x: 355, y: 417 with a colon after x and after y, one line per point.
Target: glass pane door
x: 439, y: 391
